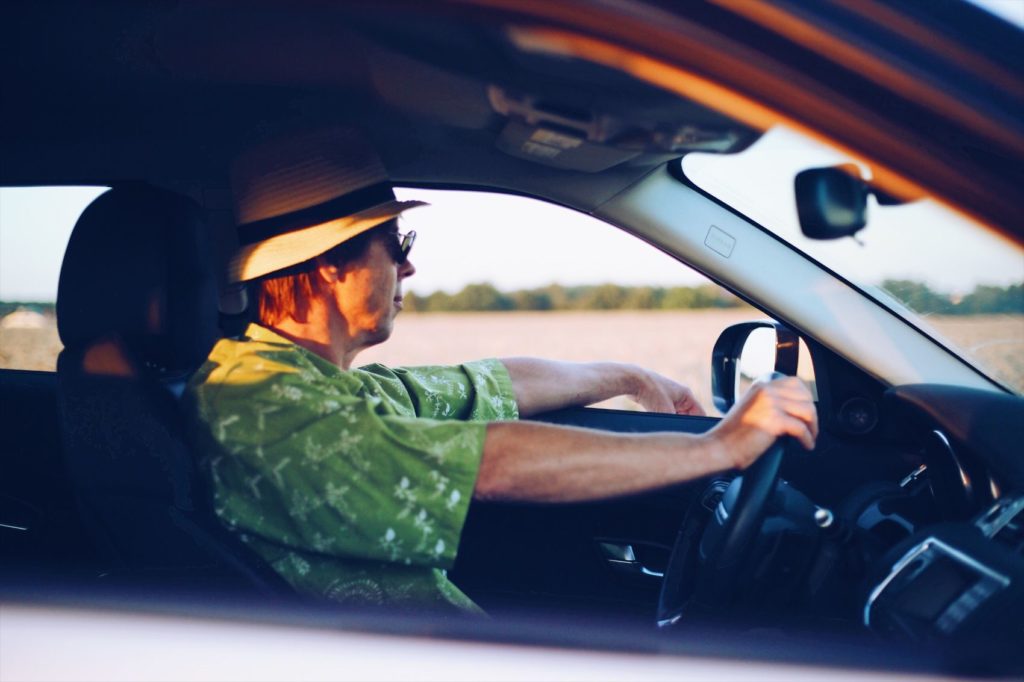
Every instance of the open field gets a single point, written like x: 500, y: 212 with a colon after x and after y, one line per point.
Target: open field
x: 677, y: 344
x: 674, y: 343
x: 30, y: 348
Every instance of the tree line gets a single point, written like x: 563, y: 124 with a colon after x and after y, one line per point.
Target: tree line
x: 555, y: 297
x: 7, y: 307
x: 484, y: 297
x: 985, y: 299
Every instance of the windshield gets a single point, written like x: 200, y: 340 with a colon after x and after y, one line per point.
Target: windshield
x: 936, y: 268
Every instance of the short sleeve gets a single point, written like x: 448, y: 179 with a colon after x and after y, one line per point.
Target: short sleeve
x: 480, y: 390
x: 307, y: 465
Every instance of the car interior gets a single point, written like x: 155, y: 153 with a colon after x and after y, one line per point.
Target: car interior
x: 904, y: 528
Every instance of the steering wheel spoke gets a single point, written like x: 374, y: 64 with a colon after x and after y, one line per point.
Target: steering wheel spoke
x: 704, y: 566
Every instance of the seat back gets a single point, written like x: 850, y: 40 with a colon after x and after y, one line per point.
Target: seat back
x: 136, y: 311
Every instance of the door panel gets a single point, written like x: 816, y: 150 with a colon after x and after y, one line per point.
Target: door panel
x: 40, y: 529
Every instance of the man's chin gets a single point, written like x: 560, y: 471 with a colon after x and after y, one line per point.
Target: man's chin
x: 380, y: 334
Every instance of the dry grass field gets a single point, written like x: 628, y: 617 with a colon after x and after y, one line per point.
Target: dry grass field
x: 677, y: 344
x: 995, y: 341
x: 29, y: 348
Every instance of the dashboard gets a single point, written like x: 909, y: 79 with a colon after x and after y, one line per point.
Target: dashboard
x: 963, y: 576
x: 954, y: 579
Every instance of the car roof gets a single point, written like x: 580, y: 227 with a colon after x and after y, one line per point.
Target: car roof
x: 171, y: 92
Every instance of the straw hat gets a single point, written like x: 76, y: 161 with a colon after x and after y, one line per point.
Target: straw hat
x: 298, y: 197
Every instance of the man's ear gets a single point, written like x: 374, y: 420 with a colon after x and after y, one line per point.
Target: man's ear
x: 329, y: 272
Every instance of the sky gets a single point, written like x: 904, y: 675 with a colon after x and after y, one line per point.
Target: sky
x: 921, y: 240
x: 1010, y: 10
x: 514, y: 242
x: 526, y: 243
x: 35, y: 224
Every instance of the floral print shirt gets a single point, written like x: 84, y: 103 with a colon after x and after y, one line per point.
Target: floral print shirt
x: 353, y: 484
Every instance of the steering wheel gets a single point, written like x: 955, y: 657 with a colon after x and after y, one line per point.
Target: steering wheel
x: 704, y: 570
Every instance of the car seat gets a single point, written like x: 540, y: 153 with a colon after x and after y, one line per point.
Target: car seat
x: 136, y: 312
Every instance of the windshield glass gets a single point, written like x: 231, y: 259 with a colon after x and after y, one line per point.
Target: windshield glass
x: 934, y: 267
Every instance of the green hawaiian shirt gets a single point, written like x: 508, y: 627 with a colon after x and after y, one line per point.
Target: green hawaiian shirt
x: 353, y: 484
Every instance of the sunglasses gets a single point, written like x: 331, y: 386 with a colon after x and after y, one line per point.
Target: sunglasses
x: 401, y: 245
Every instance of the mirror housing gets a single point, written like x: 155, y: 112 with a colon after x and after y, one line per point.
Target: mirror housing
x: 831, y: 202
x: 726, y: 369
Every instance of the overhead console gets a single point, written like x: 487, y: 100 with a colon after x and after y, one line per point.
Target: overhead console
x: 562, y: 135
x: 559, y: 111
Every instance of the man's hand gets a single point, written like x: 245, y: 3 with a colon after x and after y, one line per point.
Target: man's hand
x: 783, y: 407
x: 656, y: 393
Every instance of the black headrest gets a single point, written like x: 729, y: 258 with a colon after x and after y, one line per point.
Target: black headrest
x: 139, y: 267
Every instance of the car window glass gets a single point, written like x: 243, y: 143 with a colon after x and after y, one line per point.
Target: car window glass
x: 35, y: 224
x: 499, y: 275
x: 945, y: 273
x: 1007, y: 10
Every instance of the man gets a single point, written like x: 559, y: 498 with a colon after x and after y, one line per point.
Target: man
x: 354, y: 483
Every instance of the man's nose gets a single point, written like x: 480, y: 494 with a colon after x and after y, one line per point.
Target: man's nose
x: 406, y: 269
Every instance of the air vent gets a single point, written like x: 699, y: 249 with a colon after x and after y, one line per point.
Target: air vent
x: 1004, y: 523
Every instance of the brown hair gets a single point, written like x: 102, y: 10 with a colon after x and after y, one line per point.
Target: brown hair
x: 288, y: 292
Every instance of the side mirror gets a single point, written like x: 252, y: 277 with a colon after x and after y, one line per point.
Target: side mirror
x: 746, y: 351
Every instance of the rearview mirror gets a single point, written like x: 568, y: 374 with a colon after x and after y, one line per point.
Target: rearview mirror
x: 831, y: 202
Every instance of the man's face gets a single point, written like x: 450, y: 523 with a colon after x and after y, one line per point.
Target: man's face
x: 368, y: 293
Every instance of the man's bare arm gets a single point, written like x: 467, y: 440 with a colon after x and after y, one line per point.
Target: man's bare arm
x: 534, y: 462
x: 547, y: 463
x: 543, y: 385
